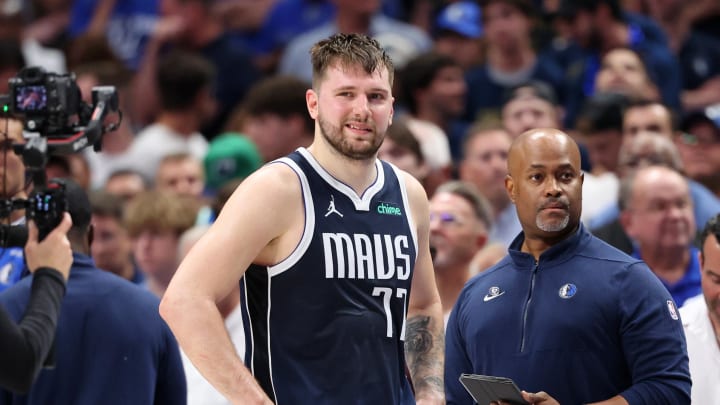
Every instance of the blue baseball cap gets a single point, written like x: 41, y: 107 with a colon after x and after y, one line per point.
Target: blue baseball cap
x: 463, y: 18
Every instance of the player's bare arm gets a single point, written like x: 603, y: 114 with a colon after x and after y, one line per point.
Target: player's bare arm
x: 425, y: 337
x: 256, y: 225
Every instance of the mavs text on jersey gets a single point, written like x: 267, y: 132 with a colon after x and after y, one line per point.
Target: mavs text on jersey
x: 327, y: 324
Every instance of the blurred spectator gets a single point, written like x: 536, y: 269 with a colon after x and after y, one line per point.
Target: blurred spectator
x: 642, y: 150
x: 530, y: 105
x: 699, y: 146
x: 127, y: 24
x: 484, y: 165
x: 402, y: 149
x: 435, y: 149
x: 697, y: 53
x: 114, y: 145
x: 457, y: 33
x: 657, y: 214
x: 649, y: 116
x: 623, y: 71
x: 402, y: 41
x: 460, y: 218
x: 184, y: 83
x: 49, y: 22
x: 598, y: 26
x: 231, y: 156
x: 192, y: 26
x: 126, y: 184
x: 155, y: 220
x: 265, y: 27
x: 701, y: 320
x: 112, y: 248
x: 73, y: 166
x: 13, y: 23
x: 599, y: 126
x: 182, y: 174
x: 433, y: 89
x: 102, y: 311
x: 510, y: 58
x: 274, y: 116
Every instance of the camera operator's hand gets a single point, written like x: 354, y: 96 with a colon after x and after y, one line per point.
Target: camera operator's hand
x: 54, y: 251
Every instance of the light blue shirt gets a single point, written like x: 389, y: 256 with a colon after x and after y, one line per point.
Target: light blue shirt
x: 506, y: 226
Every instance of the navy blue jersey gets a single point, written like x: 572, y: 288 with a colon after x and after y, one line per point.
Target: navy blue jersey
x: 327, y: 324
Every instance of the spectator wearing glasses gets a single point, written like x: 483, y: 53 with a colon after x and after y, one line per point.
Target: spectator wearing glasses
x: 460, y: 219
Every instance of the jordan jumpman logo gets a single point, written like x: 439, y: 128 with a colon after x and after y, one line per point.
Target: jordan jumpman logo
x: 331, y: 208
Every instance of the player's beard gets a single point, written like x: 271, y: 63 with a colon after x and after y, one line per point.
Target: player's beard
x: 346, y: 147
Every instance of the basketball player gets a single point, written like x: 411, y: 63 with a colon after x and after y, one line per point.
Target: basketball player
x: 333, y: 246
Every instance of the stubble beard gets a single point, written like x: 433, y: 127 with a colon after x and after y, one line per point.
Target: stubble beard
x: 334, y: 136
x: 552, y: 225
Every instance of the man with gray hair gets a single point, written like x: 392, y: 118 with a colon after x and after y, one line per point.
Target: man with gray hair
x: 460, y: 220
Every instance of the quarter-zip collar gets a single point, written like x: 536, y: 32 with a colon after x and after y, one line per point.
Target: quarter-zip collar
x: 554, y: 255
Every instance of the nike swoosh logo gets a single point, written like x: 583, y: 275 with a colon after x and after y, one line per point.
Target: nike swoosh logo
x: 492, y: 297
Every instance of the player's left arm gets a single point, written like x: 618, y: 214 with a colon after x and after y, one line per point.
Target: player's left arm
x: 424, y: 335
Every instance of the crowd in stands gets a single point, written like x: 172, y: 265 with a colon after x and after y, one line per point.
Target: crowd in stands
x: 211, y: 90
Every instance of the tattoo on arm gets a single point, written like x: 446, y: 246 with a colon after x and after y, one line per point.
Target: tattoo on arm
x: 424, y: 348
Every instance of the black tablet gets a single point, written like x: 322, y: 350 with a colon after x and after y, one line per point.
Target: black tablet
x: 485, y: 389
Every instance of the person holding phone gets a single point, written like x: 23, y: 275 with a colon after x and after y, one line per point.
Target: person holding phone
x: 567, y: 317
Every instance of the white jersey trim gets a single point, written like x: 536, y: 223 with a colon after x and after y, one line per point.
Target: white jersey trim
x: 309, y: 227
x: 406, y: 203
x: 362, y: 203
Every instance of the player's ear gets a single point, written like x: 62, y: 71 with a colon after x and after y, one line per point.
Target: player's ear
x: 311, y: 99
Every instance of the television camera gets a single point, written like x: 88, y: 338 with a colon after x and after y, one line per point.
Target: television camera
x: 58, y: 122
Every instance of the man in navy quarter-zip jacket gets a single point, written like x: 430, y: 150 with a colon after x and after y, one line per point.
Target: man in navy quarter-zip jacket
x: 111, y: 346
x: 569, y: 318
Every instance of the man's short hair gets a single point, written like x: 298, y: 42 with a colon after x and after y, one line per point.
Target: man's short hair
x: 468, y: 192
x: 712, y: 227
x: 531, y: 89
x: 644, y: 102
x: 419, y: 74
x: 350, y: 51
x: 279, y: 95
x: 159, y: 211
x: 105, y: 204
x: 602, y: 112
x: 709, y: 115
x: 180, y: 77
x: 78, y: 204
x: 399, y: 133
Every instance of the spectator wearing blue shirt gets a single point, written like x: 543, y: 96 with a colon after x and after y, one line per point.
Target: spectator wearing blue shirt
x: 697, y: 53
x: 127, y: 24
x: 511, y: 59
x: 111, y: 346
x: 658, y: 216
x: 600, y: 25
